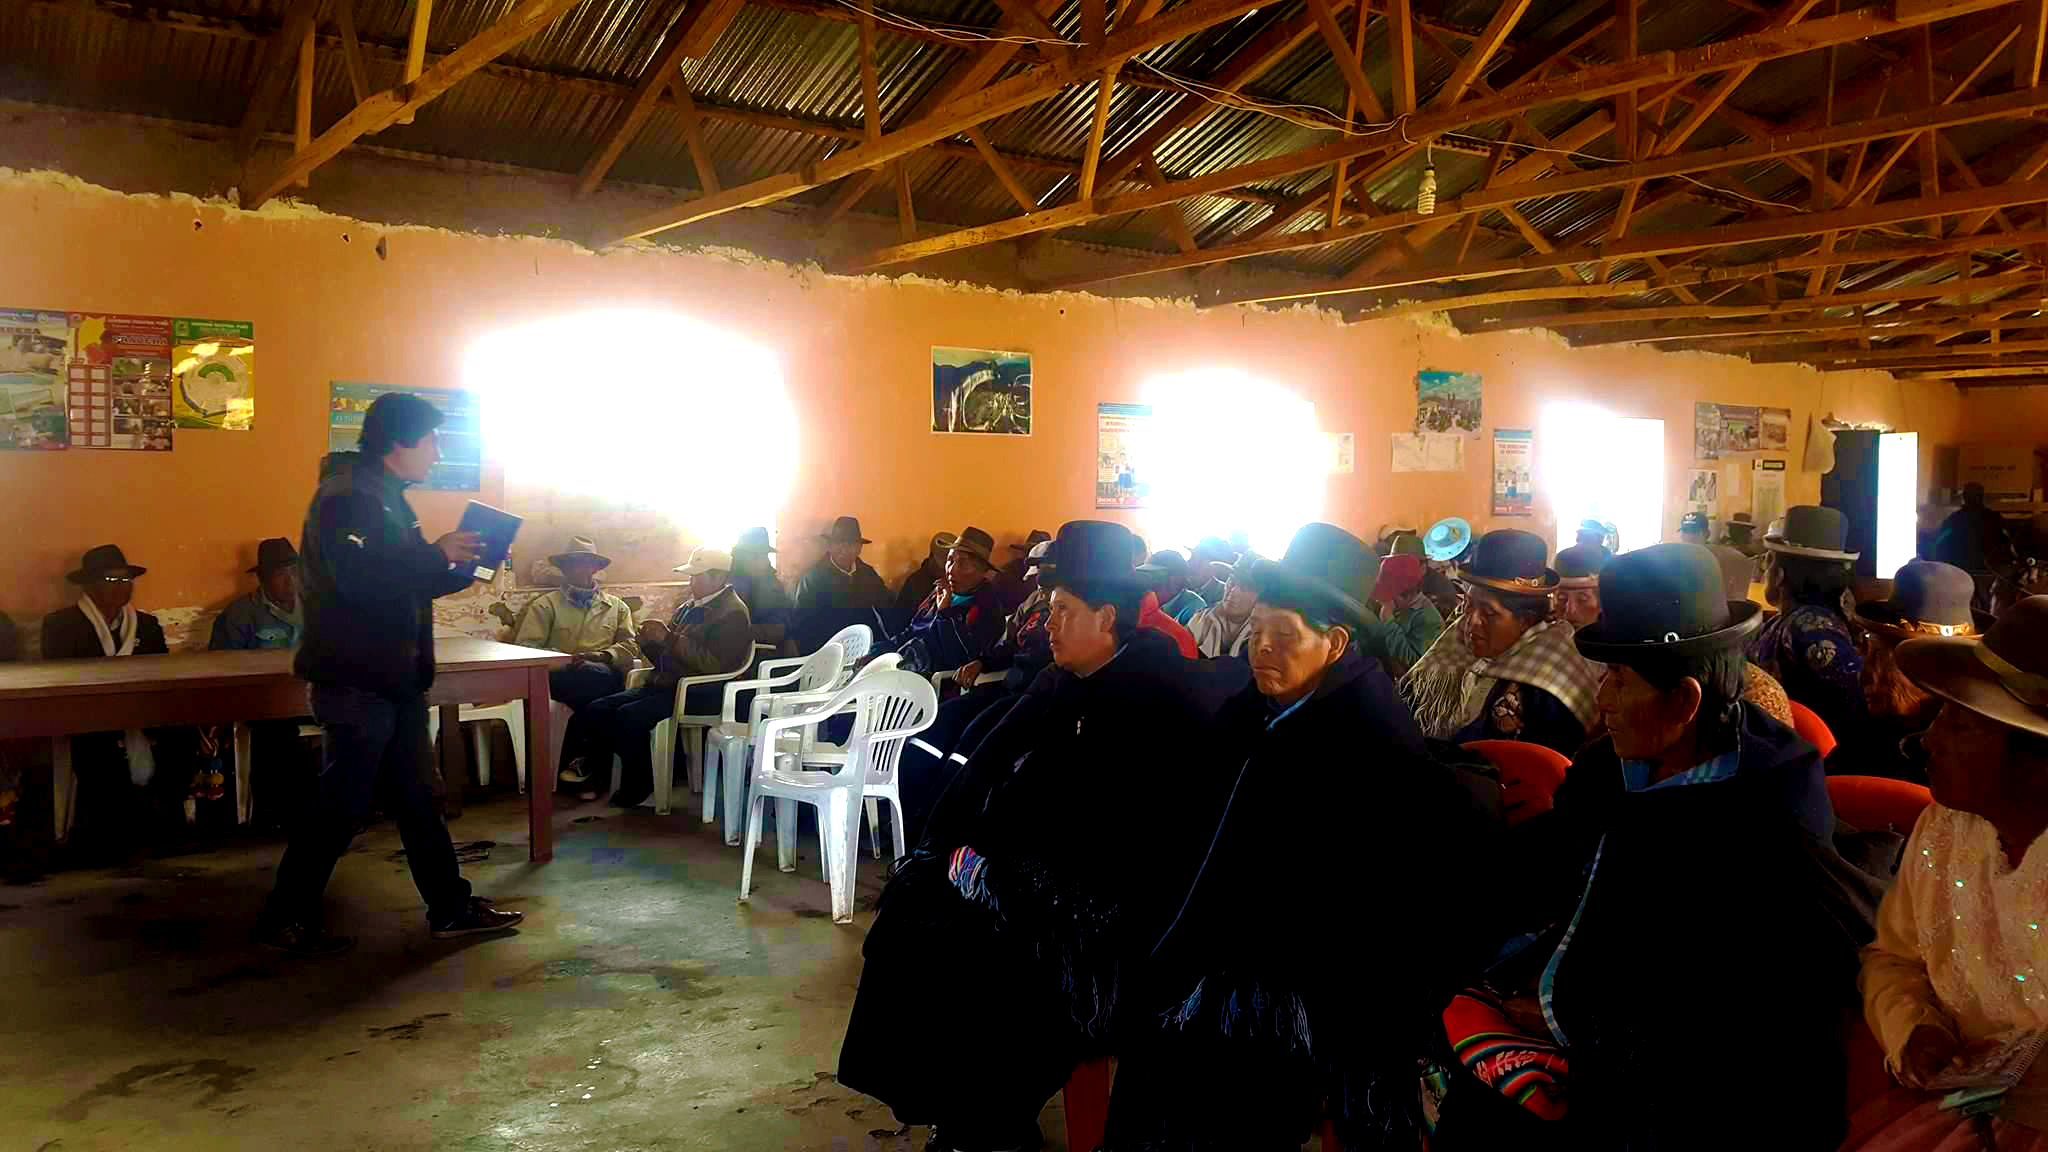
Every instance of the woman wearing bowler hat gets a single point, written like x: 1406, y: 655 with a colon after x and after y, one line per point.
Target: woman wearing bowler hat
x: 1677, y: 931
x: 1808, y: 646
x: 1927, y: 598
x: 1004, y: 947
x: 1504, y: 669
x: 1961, y: 950
x: 1251, y: 1031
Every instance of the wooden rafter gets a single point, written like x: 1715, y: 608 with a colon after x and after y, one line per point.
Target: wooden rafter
x: 870, y: 85
x: 416, y: 47
x: 691, y: 34
x: 383, y: 109
x: 2016, y: 282
x: 991, y: 101
x: 693, y: 136
x: 1347, y: 60
x: 906, y: 213
x: 1401, y: 54
x: 1480, y: 53
x: 1176, y: 224
x: 1001, y: 168
x: 1594, y: 83
x: 1105, y: 87
x: 351, y: 50
x: 302, y: 109
x: 280, y: 57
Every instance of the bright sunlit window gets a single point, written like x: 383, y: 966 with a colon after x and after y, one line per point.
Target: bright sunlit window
x: 645, y: 408
x: 1898, y: 499
x: 1606, y: 467
x: 1228, y: 452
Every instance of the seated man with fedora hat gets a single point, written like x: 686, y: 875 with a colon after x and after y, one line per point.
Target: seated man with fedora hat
x: 1807, y: 645
x: 1505, y: 669
x: 960, y: 622
x: 917, y: 585
x: 1678, y: 910
x: 110, y: 765
x: 839, y: 591
x: 758, y: 583
x: 1928, y: 598
x: 710, y: 632
x: 593, y: 626
x: 1047, y: 870
x: 1578, y: 583
x: 1959, y: 945
x: 268, y: 617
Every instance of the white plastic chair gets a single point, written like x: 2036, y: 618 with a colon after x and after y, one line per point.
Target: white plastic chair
x: 854, y: 640
x: 694, y: 726
x: 889, y: 707
x: 725, y: 746
x: 513, y: 713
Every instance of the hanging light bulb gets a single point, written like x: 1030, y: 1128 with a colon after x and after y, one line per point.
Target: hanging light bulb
x: 1425, y: 193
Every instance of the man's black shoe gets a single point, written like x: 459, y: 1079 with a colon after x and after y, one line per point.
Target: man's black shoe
x: 476, y: 917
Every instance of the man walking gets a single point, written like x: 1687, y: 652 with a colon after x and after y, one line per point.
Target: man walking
x: 370, y: 579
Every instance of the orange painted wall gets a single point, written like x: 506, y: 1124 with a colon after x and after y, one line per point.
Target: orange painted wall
x: 327, y: 306
x: 2009, y: 415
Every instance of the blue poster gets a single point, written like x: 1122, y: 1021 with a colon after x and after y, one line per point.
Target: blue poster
x: 461, y: 468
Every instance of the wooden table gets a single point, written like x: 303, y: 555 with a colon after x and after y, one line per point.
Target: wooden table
x: 59, y: 698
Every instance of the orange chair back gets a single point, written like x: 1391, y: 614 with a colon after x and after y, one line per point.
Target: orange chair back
x: 1812, y: 729
x: 1529, y: 775
x: 1872, y: 802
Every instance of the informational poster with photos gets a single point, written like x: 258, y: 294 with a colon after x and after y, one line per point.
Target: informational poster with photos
x: 1719, y: 428
x: 1514, y: 475
x: 35, y: 344
x: 981, y: 392
x: 119, y: 382
x: 1118, y: 430
x: 1447, y: 401
x: 461, y: 467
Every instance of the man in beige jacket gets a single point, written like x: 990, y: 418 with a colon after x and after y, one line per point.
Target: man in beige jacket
x: 594, y: 627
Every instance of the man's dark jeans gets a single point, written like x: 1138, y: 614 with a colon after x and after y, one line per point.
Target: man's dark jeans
x: 374, y: 750
x: 620, y: 724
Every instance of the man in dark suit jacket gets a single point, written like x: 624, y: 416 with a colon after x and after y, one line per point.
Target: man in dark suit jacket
x: 104, y: 623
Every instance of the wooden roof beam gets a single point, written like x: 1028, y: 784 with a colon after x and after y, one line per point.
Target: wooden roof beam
x: 994, y: 100
x: 383, y: 109
x: 1796, y: 305
x: 280, y: 57
x: 691, y: 34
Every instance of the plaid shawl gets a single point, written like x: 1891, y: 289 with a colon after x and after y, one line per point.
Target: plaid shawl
x: 1448, y: 687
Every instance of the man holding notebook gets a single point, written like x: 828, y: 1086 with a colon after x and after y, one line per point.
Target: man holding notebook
x: 369, y: 579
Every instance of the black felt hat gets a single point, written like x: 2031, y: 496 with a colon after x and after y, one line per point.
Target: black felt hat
x: 276, y: 552
x: 1812, y: 531
x: 1579, y: 565
x: 1665, y: 600
x: 752, y: 540
x: 1325, y: 567
x: 1090, y: 552
x: 845, y: 530
x: 2002, y: 676
x: 103, y: 561
x: 1928, y: 598
x: 976, y: 543
x: 1510, y: 560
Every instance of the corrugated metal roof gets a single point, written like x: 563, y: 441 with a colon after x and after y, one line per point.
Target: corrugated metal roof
x: 548, y: 103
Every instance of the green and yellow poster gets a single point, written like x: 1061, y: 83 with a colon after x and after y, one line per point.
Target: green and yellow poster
x: 214, y: 362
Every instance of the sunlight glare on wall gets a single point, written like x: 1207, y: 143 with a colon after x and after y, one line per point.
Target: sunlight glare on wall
x: 645, y: 408
x: 1597, y: 465
x: 1227, y: 452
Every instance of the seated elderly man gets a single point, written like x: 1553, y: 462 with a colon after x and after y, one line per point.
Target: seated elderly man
x: 839, y: 591
x: 1691, y: 839
x: 1209, y: 564
x: 917, y: 586
x: 1504, y: 669
x: 1410, y: 623
x: 1225, y: 626
x: 593, y: 626
x: 268, y: 617
x: 755, y: 579
x: 1959, y: 946
x: 134, y: 780
x: 962, y: 618
x: 711, y: 632
x: 1927, y: 599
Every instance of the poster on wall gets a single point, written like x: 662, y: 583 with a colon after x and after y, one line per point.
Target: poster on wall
x: 1428, y: 452
x: 981, y: 392
x: 1739, y: 427
x: 1774, y: 429
x: 1767, y: 492
x: 1706, y: 431
x: 1447, y: 402
x: 118, y: 382
x: 34, y: 344
x: 461, y: 466
x: 1514, y: 480
x: 1704, y: 493
x: 1118, y: 428
x: 213, y: 367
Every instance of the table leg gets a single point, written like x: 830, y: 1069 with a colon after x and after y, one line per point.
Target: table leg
x: 540, y: 774
x: 453, y: 775
x: 62, y: 784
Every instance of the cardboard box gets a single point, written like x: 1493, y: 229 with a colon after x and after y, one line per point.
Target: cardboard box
x: 2007, y: 471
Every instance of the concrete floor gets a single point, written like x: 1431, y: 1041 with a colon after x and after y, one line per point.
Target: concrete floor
x: 640, y: 1007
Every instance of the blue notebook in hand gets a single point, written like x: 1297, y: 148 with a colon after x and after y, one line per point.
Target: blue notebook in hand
x: 497, y: 527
